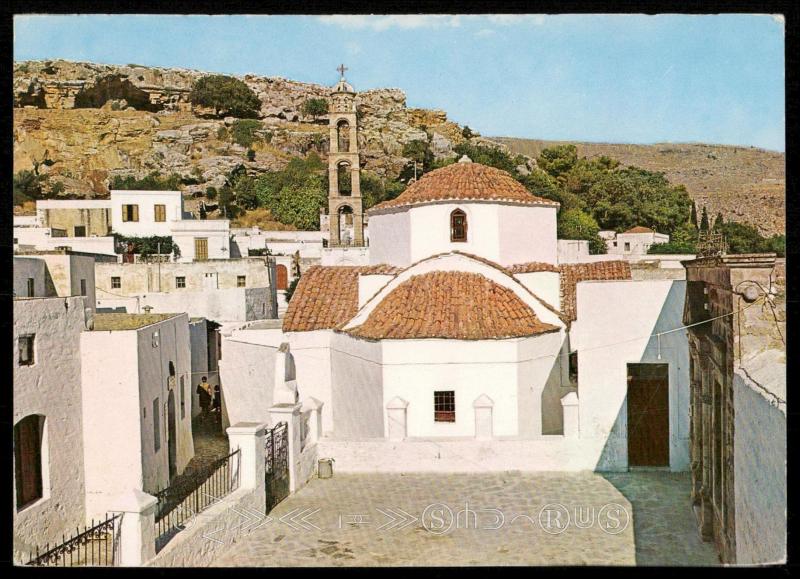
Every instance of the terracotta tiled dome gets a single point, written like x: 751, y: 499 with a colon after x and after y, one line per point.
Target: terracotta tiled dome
x: 465, y: 181
x: 452, y: 305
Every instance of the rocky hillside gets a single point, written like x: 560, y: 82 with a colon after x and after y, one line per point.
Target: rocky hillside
x: 84, y: 123
x: 745, y: 183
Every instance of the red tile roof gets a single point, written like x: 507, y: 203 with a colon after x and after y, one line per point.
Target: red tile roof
x: 572, y: 273
x: 640, y: 229
x: 465, y: 181
x: 453, y: 305
x: 533, y: 267
x: 327, y: 296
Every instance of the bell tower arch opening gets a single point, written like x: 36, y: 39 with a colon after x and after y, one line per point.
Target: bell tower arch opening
x: 346, y: 226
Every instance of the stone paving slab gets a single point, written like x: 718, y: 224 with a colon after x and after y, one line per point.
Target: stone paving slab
x: 443, y: 520
x: 664, y: 525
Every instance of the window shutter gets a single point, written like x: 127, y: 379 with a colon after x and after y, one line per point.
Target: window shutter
x: 135, y: 212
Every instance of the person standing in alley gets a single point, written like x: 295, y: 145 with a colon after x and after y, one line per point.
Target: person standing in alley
x: 204, y: 392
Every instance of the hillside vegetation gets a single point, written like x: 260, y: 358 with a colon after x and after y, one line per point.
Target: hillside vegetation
x: 745, y: 184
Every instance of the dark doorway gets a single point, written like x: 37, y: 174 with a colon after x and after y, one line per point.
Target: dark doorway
x: 172, y: 434
x: 648, y: 415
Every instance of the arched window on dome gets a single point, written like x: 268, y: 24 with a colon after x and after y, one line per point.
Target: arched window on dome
x: 458, y: 226
x: 343, y: 136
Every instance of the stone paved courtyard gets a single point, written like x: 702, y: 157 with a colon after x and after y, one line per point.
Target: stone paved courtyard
x: 391, y: 520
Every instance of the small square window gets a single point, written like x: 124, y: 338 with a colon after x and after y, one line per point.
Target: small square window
x: 130, y: 213
x: 116, y: 282
x: 444, y: 406
x: 180, y: 281
x: 627, y: 246
x: 241, y: 280
x: 26, y: 350
x: 83, y: 287
x: 31, y: 287
x: 80, y: 231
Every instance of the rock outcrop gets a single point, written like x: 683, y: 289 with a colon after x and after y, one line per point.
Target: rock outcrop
x: 94, y: 121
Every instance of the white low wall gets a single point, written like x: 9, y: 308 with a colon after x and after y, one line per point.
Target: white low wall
x: 548, y: 453
x: 759, y: 475
x: 213, y: 530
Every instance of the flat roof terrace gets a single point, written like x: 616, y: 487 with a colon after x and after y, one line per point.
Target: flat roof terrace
x: 119, y: 322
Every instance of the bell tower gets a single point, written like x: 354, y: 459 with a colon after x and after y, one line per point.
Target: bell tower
x: 346, y: 217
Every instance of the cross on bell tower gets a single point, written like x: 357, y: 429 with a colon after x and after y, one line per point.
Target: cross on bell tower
x: 345, y: 209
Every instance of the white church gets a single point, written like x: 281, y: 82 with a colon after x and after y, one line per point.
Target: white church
x: 463, y: 340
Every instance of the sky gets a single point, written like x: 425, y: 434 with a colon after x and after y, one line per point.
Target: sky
x: 606, y: 78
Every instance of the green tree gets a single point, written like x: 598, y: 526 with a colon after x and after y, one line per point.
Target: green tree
x: 245, y: 192
x: 227, y: 202
x: 743, y: 238
x: 375, y: 190
x: 211, y: 193
x: 251, y: 155
x: 290, y: 289
x: 693, y: 218
x: 683, y: 240
x: 467, y: 133
x: 243, y: 131
x: 314, y: 107
x: 226, y: 95
x: 576, y: 224
x: 487, y: 155
x: 152, y: 182
x: 704, y: 226
x: 776, y: 244
x: 719, y: 221
x: 558, y: 160
x: 296, y: 194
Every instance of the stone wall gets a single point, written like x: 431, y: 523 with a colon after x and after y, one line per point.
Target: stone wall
x: 760, y: 474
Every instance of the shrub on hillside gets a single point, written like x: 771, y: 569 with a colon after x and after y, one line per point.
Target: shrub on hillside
x: 226, y: 95
x: 314, y: 107
x: 152, y: 182
x: 243, y: 131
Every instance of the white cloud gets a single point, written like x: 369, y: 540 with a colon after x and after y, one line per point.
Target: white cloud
x: 380, y: 22
x: 508, y: 19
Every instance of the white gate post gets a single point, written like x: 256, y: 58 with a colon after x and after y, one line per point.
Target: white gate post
x: 137, y: 534
x: 397, y: 417
x: 248, y: 438
x: 290, y: 414
x: 315, y: 420
x: 484, y: 427
x: 569, y: 405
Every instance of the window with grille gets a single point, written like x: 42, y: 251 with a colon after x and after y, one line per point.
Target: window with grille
x: 130, y: 213
x: 160, y: 212
x: 26, y: 350
x: 28, y: 459
x: 180, y: 281
x: 444, y: 406
x: 241, y: 280
x: 116, y: 282
x: 458, y: 226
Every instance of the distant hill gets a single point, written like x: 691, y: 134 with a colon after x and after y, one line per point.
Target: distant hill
x: 744, y: 183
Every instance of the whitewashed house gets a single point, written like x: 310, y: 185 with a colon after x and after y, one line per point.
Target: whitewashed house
x: 463, y: 338
x: 634, y: 241
x: 137, y: 426
x: 48, y: 439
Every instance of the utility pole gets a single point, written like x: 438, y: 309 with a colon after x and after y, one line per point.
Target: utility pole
x: 415, y: 170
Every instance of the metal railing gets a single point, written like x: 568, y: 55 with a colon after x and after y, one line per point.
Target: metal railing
x: 192, y: 493
x: 96, y: 546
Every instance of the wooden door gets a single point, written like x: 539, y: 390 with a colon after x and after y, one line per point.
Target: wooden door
x: 648, y: 415
x: 201, y: 248
x: 283, y: 277
x: 28, y: 459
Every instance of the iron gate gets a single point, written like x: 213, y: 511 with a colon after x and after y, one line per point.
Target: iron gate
x: 276, y: 464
